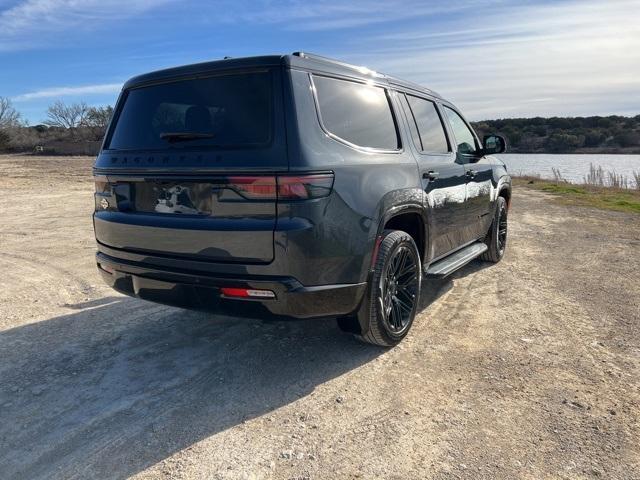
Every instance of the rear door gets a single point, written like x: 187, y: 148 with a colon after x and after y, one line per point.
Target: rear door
x: 189, y: 165
x: 442, y: 177
x: 478, y: 176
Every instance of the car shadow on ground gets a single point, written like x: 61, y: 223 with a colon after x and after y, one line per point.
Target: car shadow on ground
x: 433, y: 288
x: 121, y: 384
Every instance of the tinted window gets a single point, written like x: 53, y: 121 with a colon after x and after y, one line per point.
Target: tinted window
x: 431, y: 131
x: 464, y: 138
x: 230, y: 110
x: 412, y: 121
x: 357, y: 113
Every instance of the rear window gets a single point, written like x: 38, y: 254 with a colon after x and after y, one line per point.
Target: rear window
x: 221, y: 111
x: 357, y: 113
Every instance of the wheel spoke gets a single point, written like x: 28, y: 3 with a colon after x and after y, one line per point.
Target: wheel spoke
x: 398, y: 314
x: 409, y: 268
x: 396, y: 261
x: 401, y: 262
x: 408, y: 296
x: 403, y: 305
x: 407, y: 281
x: 393, y: 320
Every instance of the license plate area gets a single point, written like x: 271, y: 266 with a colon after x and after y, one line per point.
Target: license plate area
x: 174, y: 198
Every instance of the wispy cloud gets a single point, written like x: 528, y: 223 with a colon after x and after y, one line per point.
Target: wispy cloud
x: 57, y: 92
x: 494, y: 58
x: 322, y: 15
x: 571, y: 57
x: 34, y: 22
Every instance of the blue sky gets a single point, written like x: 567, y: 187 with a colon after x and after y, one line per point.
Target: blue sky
x: 492, y: 58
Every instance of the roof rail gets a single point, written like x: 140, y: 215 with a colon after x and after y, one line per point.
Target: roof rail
x: 313, y: 56
x: 366, y: 71
x: 413, y: 85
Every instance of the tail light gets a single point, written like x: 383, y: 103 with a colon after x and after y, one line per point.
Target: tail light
x: 282, y: 187
x: 303, y: 187
x: 254, y: 188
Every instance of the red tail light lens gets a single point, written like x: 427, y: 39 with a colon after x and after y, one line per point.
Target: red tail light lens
x: 254, y: 188
x: 282, y: 187
x: 303, y: 187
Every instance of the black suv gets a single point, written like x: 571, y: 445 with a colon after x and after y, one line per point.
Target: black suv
x: 294, y: 186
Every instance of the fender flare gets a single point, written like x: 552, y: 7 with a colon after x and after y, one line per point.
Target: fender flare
x: 397, y: 210
x: 504, y: 183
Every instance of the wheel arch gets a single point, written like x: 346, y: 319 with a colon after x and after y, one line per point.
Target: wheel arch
x: 503, y: 189
x: 411, y: 219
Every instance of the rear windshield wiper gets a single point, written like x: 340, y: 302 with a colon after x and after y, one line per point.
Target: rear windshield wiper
x: 184, y: 136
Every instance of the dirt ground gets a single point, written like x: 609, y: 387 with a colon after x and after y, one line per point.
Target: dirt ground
x: 526, y: 369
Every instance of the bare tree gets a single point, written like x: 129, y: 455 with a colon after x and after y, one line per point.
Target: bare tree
x: 9, y: 121
x: 99, y: 116
x: 9, y: 116
x: 97, y: 121
x: 67, y: 116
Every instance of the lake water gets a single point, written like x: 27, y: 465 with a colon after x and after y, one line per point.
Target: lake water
x: 572, y: 167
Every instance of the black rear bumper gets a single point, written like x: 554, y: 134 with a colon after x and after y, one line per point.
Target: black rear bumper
x: 202, y: 292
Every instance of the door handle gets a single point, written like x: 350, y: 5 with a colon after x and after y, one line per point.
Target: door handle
x: 430, y: 175
x: 471, y: 173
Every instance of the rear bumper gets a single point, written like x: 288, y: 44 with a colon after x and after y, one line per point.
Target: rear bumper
x: 202, y: 291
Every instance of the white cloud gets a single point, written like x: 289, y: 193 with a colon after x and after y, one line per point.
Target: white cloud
x: 321, y: 15
x: 56, y: 92
x: 493, y: 58
x: 35, y: 22
x: 570, y: 58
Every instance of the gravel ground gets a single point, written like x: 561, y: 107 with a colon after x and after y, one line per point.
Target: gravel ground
x: 526, y: 369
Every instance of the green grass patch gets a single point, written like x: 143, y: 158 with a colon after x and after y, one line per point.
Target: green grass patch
x: 622, y: 200
x: 566, y: 189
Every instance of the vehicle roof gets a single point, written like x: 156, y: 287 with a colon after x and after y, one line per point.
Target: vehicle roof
x: 299, y: 60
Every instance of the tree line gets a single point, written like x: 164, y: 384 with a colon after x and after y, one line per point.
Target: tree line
x: 78, y: 129
x: 67, y: 129
x: 612, y: 134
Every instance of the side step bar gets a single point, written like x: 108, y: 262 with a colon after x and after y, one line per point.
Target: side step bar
x: 458, y: 259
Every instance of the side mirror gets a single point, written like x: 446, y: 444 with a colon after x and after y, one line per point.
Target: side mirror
x: 493, y: 144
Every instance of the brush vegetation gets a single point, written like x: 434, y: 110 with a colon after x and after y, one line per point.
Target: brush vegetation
x: 613, y: 134
x: 602, y: 189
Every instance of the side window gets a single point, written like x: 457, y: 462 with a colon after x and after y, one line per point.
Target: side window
x: 358, y: 113
x: 464, y: 137
x: 412, y: 121
x: 431, y: 131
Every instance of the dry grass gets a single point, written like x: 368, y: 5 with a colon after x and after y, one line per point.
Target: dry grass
x: 600, y: 177
x: 604, y: 197
x: 602, y: 188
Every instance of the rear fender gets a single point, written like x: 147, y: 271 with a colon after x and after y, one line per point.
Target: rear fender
x: 410, y: 206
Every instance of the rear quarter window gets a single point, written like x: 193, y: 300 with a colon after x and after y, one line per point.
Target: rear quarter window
x: 357, y: 113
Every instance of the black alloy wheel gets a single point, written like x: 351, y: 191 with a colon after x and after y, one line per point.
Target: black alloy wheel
x: 399, y: 289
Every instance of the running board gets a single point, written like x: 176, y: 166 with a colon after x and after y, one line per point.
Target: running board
x: 453, y: 262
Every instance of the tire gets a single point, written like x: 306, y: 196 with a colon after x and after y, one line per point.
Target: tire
x: 496, y: 238
x: 392, y: 297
